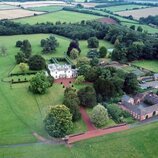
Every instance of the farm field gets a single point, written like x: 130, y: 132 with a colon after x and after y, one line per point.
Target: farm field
x: 47, y: 8
x: 62, y: 16
x: 124, y: 7
x: 4, y: 7
x: 138, y: 142
x: 107, y: 20
x: 137, y: 14
x: 148, y: 64
x: 16, y: 13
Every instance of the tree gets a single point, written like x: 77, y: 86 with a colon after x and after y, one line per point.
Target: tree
x: 3, y: 50
x: 133, y: 27
x: 26, y: 48
x: 20, y: 58
x: 58, y: 122
x: 94, y: 61
x: 80, y: 79
x: 73, y: 45
x: 50, y: 45
x: 19, y: 44
x: 93, y: 42
x: 99, y: 115
x: 102, y: 52
x: 43, y: 42
x: 87, y: 96
x: 23, y: 67
x: 39, y: 83
x: 36, y: 62
x: 74, y: 53
x: 131, y: 84
x: 140, y: 29
x: 82, y: 61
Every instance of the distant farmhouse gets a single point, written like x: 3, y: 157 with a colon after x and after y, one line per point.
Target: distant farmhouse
x: 142, y: 106
x: 62, y: 71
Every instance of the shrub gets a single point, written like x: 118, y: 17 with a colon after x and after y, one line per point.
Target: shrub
x: 102, y: 52
x: 23, y: 67
x: 74, y: 53
x: 58, y: 121
x: 80, y: 79
x: 93, y: 42
x: 99, y: 116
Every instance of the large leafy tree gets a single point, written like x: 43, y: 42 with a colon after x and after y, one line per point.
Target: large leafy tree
x: 73, y: 45
x: 87, y: 96
x: 102, y: 52
x: 39, y: 83
x: 99, y: 115
x: 26, y: 48
x: 49, y: 45
x: 131, y: 85
x: 93, y: 42
x: 58, y: 121
x: 36, y: 62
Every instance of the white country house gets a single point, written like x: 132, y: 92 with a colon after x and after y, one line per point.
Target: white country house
x: 62, y: 71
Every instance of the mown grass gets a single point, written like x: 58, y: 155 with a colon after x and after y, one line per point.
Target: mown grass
x: 62, y: 16
x: 138, y: 142
x: 151, y: 65
x: 47, y: 8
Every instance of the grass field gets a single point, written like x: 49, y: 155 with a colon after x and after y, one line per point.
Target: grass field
x: 138, y: 142
x: 62, y: 16
x: 148, y: 64
x: 21, y: 112
x: 52, y: 8
x: 124, y: 7
x: 140, y: 13
x: 4, y: 7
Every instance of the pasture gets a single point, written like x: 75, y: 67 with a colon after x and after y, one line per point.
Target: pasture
x: 21, y: 112
x: 151, y: 65
x: 139, y: 142
x: 62, y: 16
x: 52, y: 8
x: 137, y: 14
x: 6, y: 7
x: 17, y: 13
x: 124, y: 7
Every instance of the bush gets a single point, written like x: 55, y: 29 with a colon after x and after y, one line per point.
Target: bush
x: 93, y: 42
x: 99, y: 116
x: 23, y: 67
x: 102, y: 52
x: 80, y: 79
x: 58, y: 121
x: 74, y: 53
x: 36, y: 62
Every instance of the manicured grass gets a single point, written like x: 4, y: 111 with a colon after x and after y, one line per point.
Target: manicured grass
x: 47, y: 8
x: 124, y: 7
x: 138, y: 142
x: 151, y: 65
x: 62, y: 16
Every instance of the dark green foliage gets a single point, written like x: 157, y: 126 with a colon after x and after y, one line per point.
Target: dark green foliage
x: 93, y: 54
x: 43, y: 42
x: 39, y: 83
x: 131, y: 84
x: 102, y: 52
x: 140, y: 29
x: 133, y: 27
x: 87, y: 96
x: 58, y: 122
x: 18, y: 44
x: 94, y: 61
x: 73, y: 45
x: 26, y: 48
x: 20, y: 58
x: 36, y: 62
x: 71, y: 100
x: 150, y: 20
x: 49, y: 45
x: 93, y: 42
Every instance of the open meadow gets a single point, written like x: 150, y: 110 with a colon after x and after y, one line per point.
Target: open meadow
x: 137, y: 14
x: 62, y: 16
x: 17, y: 13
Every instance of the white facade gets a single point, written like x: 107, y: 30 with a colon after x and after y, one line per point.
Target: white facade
x: 62, y: 71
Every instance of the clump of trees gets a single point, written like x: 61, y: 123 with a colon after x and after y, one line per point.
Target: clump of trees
x: 99, y: 116
x: 36, y: 62
x: 25, y: 51
x: 93, y: 42
x: 72, y: 101
x: 150, y: 20
x: 87, y: 96
x: 40, y: 83
x: 58, y: 122
x: 49, y: 45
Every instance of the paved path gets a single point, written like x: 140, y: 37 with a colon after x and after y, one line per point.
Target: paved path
x: 96, y: 133
x: 64, y: 81
x: 86, y: 119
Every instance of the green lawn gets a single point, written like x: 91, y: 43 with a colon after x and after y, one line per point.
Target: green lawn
x: 62, y: 16
x: 151, y: 65
x: 47, y: 8
x: 138, y: 142
x: 124, y: 7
